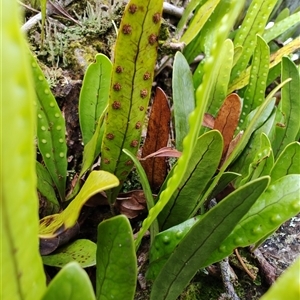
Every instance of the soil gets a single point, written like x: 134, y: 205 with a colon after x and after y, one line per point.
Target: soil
x: 67, y: 50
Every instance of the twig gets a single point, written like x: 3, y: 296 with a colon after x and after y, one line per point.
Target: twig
x: 52, y: 8
x: 225, y: 271
x: 142, y: 259
x: 267, y: 270
x: 28, y: 7
x: 164, y: 62
x: 243, y: 264
x: 173, y: 10
x: 31, y: 22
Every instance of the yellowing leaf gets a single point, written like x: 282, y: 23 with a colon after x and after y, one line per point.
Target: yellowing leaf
x: 53, y: 225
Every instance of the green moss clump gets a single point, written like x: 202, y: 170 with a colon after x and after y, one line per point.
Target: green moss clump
x: 72, y: 45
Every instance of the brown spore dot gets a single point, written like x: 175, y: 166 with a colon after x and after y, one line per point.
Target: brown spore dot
x: 119, y: 69
x: 129, y: 163
x: 147, y: 76
x: 138, y: 125
x: 117, y: 86
x: 143, y: 93
x: 106, y: 161
x: 152, y: 39
x: 116, y: 105
x: 110, y: 136
x: 126, y: 29
x: 132, y: 8
x: 134, y: 143
x: 156, y: 18
x: 124, y: 173
x: 142, y: 108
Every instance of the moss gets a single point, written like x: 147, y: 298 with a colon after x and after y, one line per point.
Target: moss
x: 164, y: 33
x: 204, y: 287
x: 132, y: 182
x: 192, y: 292
x: 77, y: 6
x: 70, y: 45
x: 79, y: 56
x: 53, y: 76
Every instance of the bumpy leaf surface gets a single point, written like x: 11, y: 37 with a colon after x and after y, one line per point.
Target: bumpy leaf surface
x: 205, y: 236
x: 22, y: 274
x: 51, y: 130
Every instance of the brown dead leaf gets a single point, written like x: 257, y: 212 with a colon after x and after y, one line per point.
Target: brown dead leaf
x: 233, y: 144
x: 131, y: 204
x: 208, y: 121
x: 157, y: 138
x: 227, y: 119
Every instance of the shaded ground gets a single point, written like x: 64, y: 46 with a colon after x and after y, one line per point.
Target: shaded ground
x: 67, y: 51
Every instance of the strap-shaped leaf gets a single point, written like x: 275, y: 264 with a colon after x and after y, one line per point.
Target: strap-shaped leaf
x: 276, y: 58
x: 51, y: 130
x: 263, y: 160
x: 198, y: 21
x: 253, y: 24
x: 255, y: 91
x: 225, y: 180
x: 116, y: 260
x: 204, y: 40
x: 22, y: 274
x: 132, y: 77
x: 259, y: 116
x: 290, y: 99
x: 92, y: 148
x: 45, y: 186
x: 201, y: 168
x: 274, y: 72
x: 164, y: 244
x: 94, y: 95
x: 281, y: 26
x: 288, y: 162
x: 219, y: 91
x: 276, y: 205
x: 241, y: 165
x: 204, y: 237
x: 183, y: 97
x: 147, y: 191
x: 71, y: 283
x: 53, y: 225
x: 90, y: 152
x: 221, y: 78
x: 192, y: 5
